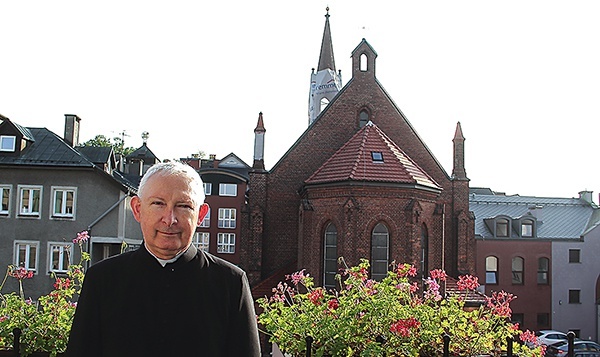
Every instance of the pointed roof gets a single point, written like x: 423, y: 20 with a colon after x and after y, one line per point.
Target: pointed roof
x: 370, y: 155
x: 260, y: 126
x: 458, y: 134
x: 326, y: 60
x: 143, y: 152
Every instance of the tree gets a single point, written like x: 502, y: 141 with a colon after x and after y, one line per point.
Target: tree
x: 117, y: 144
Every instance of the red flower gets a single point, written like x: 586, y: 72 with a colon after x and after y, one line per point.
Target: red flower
x: 438, y: 274
x: 21, y: 273
x: 402, y: 327
x: 499, y: 302
x: 467, y: 282
x: 316, y: 296
x: 405, y: 270
x: 333, y: 304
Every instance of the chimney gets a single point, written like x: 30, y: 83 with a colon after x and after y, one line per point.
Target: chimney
x: 72, y: 129
x: 586, y: 196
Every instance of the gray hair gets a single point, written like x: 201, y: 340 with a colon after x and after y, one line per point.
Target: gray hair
x: 175, y: 168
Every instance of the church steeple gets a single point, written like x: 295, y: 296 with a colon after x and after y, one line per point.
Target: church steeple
x: 259, y: 144
x: 325, y: 83
x: 458, y: 171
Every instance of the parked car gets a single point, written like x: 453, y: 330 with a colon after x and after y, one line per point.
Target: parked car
x: 581, y: 348
x: 548, y: 337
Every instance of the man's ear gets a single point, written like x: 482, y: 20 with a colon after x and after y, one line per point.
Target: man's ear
x: 203, y: 212
x: 135, y: 207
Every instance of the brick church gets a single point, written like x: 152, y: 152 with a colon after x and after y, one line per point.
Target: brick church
x: 358, y: 183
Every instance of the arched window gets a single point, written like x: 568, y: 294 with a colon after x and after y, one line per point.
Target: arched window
x: 330, y: 256
x: 502, y: 227
x: 363, y: 118
x: 364, y: 65
x: 324, y: 102
x: 424, y: 251
x: 380, y: 244
x: 543, y: 271
x: 491, y: 270
x: 518, y: 265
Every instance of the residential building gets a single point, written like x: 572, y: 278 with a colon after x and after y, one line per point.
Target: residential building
x: 543, y: 250
x: 51, y: 190
x: 225, y: 185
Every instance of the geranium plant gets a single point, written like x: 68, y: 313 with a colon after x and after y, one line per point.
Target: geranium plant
x: 44, y: 324
x: 397, y: 316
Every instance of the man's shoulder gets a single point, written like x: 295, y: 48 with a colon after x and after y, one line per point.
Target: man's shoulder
x: 215, y: 263
x: 113, y: 262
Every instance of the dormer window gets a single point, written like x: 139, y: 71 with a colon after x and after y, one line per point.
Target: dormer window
x: 527, y: 228
x: 502, y: 227
x: 8, y: 143
x: 377, y: 156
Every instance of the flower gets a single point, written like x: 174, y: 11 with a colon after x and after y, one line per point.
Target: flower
x: 389, y: 317
x: 46, y: 322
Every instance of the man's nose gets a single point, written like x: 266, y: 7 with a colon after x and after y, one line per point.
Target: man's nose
x: 169, y: 217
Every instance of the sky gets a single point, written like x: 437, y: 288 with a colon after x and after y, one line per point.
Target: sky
x: 522, y: 77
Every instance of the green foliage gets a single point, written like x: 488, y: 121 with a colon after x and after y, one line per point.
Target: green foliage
x: 45, y: 325
x: 117, y: 144
x: 393, y: 317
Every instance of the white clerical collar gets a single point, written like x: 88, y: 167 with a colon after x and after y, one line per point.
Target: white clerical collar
x: 164, y: 262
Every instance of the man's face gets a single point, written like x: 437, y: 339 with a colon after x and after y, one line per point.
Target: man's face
x: 167, y: 214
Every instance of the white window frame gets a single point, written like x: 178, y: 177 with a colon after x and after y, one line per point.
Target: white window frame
x: 63, y: 209
x: 202, y: 240
x: 227, y: 218
x: 65, y: 252
x: 5, y: 139
x: 8, y: 190
x: 29, y: 263
x: 207, y: 188
x: 226, y: 243
x: 206, y: 221
x: 228, y: 189
x: 29, y: 212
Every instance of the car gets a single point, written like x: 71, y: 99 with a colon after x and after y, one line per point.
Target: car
x: 548, y: 337
x: 581, y: 348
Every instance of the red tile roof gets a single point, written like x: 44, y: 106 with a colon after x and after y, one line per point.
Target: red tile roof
x: 354, y: 162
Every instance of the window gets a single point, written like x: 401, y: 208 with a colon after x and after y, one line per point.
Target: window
x: 324, y: 102
x: 4, y: 200
x: 502, y: 227
x: 25, y: 254
x: 517, y: 318
x: 543, y: 319
x: 30, y: 199
x: 226, y: 217
x: 226, y: 243
x: 58, y: 257
x: 64, y: 202
x: 227, y: 189
x: 574, y: 297
x: 377, y: 156
x: 379, y: 251
x: 202, y: 240
x: 206, y: 221
x: 8, y: 143
x: 517, y: 270
x: 207, y: 188
x: 491, y: 270
x: 527, y: 228
x: 364, y: 65
x: 574, y: 256
x: 330, y: 257
x: 543, y: 268
x: 363, y: 118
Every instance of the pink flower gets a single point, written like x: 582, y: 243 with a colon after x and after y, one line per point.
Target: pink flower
x: 467, y: 282
x: 530, y: 337
x: 298, y: 277
x: 499, y: 303
x: 405, y: 270
x: 82, y: 237
x: 21, y: 273
x: 433, y: 290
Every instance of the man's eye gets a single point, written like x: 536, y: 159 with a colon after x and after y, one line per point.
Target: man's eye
x: 157, y: 203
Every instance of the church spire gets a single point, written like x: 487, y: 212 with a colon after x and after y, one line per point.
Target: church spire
x: 458, y: 171
x: 325, y: 83
x: 259, y: 144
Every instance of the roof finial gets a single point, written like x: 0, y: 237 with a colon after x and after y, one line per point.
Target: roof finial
x: 327, y: 9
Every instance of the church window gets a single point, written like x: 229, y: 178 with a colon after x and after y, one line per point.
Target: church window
x: 363, y: 118
x: 380, y: 246
x: 324, y: 102
x: 364, y: 66
x: 330, y: 256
